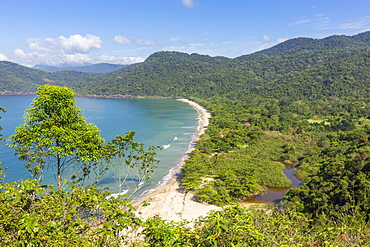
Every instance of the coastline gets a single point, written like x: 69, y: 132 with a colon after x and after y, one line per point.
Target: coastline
x: 172, y: 202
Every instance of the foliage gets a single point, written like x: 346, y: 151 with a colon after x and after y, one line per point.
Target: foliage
x: 342, y: 181
x: 157, y: 232
x: 226, y: 178
x: 259, y: 226
x: 56, y: 135
x: 34, y: 215
x: 129, y: 163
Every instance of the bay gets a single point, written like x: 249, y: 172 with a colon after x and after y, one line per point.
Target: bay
x: 164, y: 122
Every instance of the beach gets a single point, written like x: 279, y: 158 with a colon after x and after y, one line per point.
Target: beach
x: 172, y: 202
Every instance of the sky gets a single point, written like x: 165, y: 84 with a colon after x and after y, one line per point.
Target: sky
x: 56, y: 32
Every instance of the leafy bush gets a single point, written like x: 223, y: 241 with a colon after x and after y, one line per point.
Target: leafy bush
x: 36, y: 215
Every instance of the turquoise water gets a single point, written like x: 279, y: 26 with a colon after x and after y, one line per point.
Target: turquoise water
x: 163, y: 122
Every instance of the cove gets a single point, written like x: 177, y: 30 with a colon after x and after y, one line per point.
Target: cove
x: 168, y: 123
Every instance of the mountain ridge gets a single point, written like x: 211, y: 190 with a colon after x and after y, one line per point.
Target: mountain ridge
x: 178, y: 74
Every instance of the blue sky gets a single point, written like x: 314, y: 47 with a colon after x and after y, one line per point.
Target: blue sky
x: 53, y: 32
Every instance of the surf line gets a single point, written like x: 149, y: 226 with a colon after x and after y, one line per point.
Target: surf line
x: 202, y: 124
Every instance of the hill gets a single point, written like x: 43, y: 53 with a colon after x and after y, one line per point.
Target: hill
x: 15, y: 78
x: 176, y: 74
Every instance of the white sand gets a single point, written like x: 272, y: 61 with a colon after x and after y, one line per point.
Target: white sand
x: 172, y: 202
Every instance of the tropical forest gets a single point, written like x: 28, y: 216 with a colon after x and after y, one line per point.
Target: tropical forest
x: 304, y: 102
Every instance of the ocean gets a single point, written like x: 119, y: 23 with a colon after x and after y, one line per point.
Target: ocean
x: 168, y: 123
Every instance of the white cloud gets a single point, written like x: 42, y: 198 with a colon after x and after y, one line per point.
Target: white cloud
x: 282, y: 39
x: 3, y: 57
x: 37, y: 44
x: 300, y: 22
x: 322, y: 22
x: 359, y: 24
x: 55, y: 59
x: 188, y: 3
x: 147, y: 42
x: 265, y: 38
x: 174, y: 39
x: 72, y: 44
x: 119, y: 39
x: 20, y: 53
x: 77, y: 43
x: 70, y: 50
x: 77, y: 58
x: 119, y: 60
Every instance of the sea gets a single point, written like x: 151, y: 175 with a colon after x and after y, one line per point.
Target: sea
x: 168, y: 123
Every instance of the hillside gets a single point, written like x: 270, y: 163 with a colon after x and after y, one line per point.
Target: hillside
x: 15, y: 78
x: 175, y: 74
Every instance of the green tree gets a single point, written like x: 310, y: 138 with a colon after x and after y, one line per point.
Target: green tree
x: 129, y: 163
x: 56, y: 136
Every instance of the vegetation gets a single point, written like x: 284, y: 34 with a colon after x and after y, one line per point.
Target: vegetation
x: 304, y: 101
x: 56, y: 135
x: 240, y: 226
x: 34, y: 215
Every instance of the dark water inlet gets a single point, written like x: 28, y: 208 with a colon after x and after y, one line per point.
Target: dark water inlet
x: 273, y: 195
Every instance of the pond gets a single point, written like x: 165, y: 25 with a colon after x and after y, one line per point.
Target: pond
x: 273, y: 195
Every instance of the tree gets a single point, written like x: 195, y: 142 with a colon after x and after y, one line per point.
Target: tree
x: 56, y: 135
x: 129, y: 163
x: 342, y: 181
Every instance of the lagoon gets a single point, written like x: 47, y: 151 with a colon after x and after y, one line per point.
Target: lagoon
x: 168, y: 123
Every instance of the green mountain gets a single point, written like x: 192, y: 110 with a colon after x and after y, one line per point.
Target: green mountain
x: 15, y: 78
x: 176, y: 74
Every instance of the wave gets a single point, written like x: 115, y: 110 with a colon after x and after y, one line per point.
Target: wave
x: 176, y: 170
x: 173, y: 172
x: 166, y: 146
x: 115, y: 195
x: 187, y: 127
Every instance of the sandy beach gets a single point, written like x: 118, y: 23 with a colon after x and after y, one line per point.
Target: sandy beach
x: 171, y: 202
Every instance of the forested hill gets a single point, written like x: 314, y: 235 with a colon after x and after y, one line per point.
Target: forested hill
x: 347, y: 78
x: 175, y: 74
x: 15, y: 78
x: 309, y: 44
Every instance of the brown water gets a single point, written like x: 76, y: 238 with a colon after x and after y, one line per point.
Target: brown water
x: 273, y: 195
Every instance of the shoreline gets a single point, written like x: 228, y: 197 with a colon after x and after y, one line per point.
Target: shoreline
x: 115, y: 96
x: 172, y: 202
